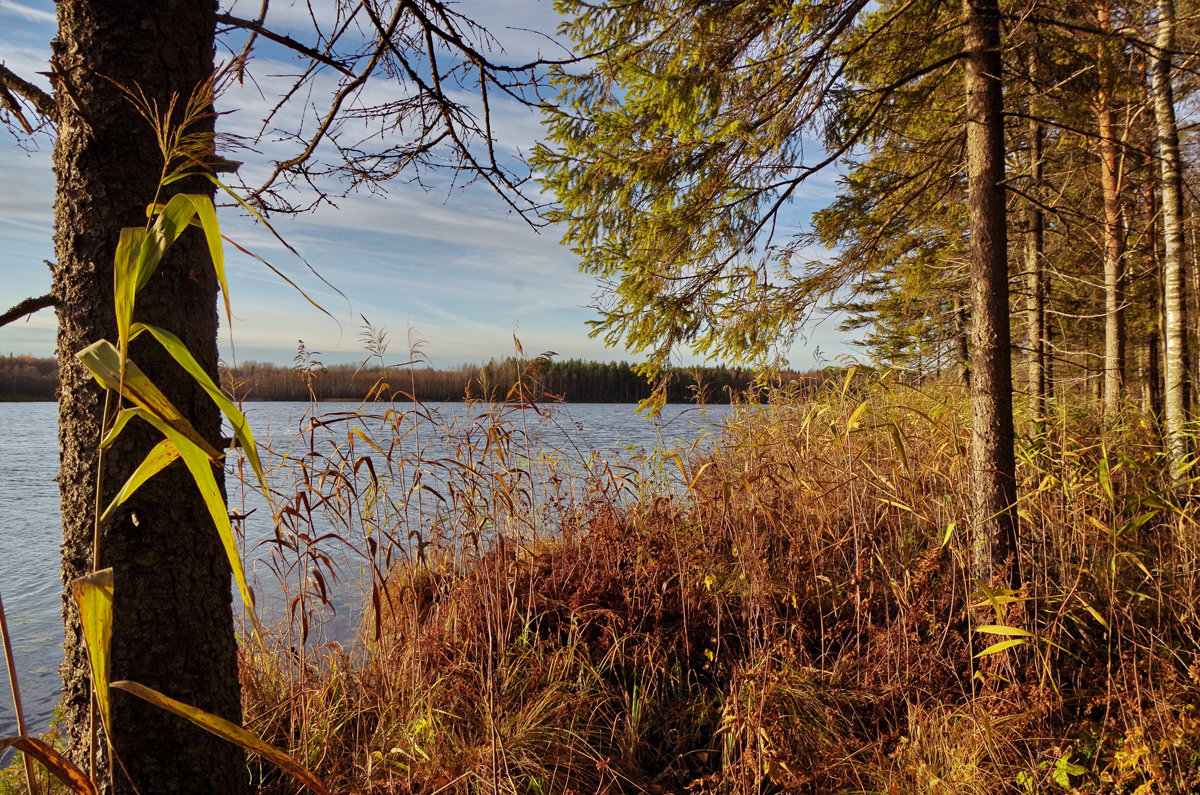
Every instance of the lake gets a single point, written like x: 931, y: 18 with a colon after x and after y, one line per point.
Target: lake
x: 30, y: 534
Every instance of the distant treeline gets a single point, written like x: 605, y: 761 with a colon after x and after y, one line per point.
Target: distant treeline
x: 27, y: 378
x: 542, y: 379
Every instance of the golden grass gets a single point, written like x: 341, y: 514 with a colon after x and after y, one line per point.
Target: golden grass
x: 796, y: 620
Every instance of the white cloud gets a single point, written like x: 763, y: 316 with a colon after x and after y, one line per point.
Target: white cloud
x: 28, y: 13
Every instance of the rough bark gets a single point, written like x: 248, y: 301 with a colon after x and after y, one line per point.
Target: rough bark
x: 962, y: 353
x: 173, y: 621
x: 993, y: 545
x: 1174, y: 286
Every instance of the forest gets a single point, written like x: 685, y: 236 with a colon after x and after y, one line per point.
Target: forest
x: 542, y: 379
x: 968, y: 564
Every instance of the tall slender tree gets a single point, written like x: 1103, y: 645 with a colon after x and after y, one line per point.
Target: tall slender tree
x: 1174, y: 265
x: 675, y: 156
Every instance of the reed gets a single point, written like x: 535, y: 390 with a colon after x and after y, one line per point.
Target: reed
x: 787, y: 613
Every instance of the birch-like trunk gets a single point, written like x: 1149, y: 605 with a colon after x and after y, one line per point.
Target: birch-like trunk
x: 1174, y: 279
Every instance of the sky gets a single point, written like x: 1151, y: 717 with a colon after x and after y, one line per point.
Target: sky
x: 453, y: 268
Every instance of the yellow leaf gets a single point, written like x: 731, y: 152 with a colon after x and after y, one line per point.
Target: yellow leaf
x: 159, y: 457
x: 59, y: 766
x: 998, y: 647
x: 226, y: 730
x: 241, y: 428
x: 202, y: 473
x: 104, y: 362
x: 997, y: 629
x: 94, y: 596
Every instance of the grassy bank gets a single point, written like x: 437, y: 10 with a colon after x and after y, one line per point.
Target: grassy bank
x: 794, y: 617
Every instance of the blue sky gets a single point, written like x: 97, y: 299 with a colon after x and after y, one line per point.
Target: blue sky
x: 456, y: 267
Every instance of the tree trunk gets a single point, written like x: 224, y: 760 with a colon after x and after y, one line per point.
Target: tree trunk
x: 962, y: 353
x: 1035, y: 282
x: 993, y: 547
x: 1174, y: 286
x: 1113, y: 245
x: 173, y: 620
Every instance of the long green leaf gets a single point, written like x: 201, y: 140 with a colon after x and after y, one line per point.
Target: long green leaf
x: 201, y: 467
x: 125, y: 263
x: 206, y: 214
x: 159, y: 457
x: 226, y: 730
x: 59, y: 766
x: 998, y: 629
x: 262, y: 220
x: 241, y: 428
x: 119, y: 422
x: 104, y: 362
x: 94, y: 596
x: 206, y: 219
x: 1001, y: 646
x: 169, y: 224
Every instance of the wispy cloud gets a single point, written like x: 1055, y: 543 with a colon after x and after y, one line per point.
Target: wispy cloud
x: 28, y: 13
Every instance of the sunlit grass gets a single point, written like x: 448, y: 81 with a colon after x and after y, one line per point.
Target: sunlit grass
x: 797, y: 619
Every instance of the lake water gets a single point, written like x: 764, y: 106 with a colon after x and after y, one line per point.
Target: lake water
x: 30, y: 534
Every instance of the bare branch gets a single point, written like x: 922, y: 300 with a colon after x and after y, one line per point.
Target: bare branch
x: 27, y: 307
x: 287, y: 41
x: 11, y: 83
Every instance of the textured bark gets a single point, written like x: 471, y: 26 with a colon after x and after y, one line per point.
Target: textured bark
x: 993, y: 545
x: 1153, y: 377
x: 1113, y: 240
x: 1174, y: 286
x: 173, y: 621
x: 962, y: 352
x: 1035, y: 280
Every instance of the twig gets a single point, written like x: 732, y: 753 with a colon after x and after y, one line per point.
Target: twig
x: 30, y: 777
x: 27, y: 307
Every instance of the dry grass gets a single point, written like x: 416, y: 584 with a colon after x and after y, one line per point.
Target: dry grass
x: 795, y: 620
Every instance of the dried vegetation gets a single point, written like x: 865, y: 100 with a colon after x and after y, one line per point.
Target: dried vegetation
x: 787, y: 613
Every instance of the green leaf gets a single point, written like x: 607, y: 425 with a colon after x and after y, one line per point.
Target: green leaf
x: 199, y: 464
x: 59, y: 766
x: 158, y: 459
x: 997, y: 629
x: 125, y: 262
x: 119, y: 422
x: 241, y: 428
x: 206, y: 214
x: 1000, y: 646
x: 168, y: 225
x: 1106, y: 478
x: 94, y: 596
x: 226, y: 730
x: 104, y: 362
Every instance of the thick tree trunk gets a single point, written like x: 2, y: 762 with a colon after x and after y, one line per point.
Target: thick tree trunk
x: 173, y: 621
x: 1174, y: 286
x: 994, y: 543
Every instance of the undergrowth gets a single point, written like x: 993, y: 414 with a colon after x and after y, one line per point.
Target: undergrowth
x: 787, y: 612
